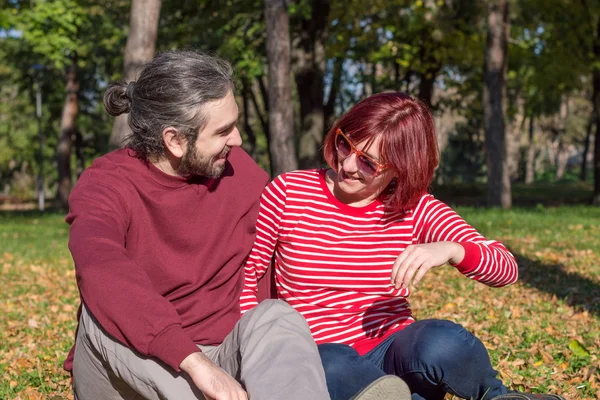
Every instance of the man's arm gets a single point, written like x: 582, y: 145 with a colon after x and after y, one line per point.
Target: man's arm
x: 212, y: 380
x: 116, y: 290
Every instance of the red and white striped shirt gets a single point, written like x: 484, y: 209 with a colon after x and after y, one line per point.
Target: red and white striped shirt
x: 333, y: 261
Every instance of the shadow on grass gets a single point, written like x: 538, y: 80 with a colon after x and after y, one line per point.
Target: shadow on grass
x: 577, y: 291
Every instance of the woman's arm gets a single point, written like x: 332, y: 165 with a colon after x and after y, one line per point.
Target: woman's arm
x: 268, y: 224
x: 444, y: 237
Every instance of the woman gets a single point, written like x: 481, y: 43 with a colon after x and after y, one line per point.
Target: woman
x: 350, y: 240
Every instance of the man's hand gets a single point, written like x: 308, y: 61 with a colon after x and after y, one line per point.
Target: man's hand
x: 414, y: 262
x: 211, y: 380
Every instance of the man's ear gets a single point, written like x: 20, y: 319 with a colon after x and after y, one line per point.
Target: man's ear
x: 174, y: 142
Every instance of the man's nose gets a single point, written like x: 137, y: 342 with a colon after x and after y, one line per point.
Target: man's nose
x: 234, y: 139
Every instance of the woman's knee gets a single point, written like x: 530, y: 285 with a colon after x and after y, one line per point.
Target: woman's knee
x: 440, y: 340
x: 336, y: 358
x: 337, y: 351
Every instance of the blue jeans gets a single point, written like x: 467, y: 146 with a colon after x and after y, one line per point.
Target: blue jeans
x: 433, y: 357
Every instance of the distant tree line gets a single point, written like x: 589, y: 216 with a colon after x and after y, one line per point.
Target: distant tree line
x: 514, y: 84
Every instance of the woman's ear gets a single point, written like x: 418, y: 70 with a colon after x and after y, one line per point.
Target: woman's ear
x: 391, y: 187
x: 174, y: 142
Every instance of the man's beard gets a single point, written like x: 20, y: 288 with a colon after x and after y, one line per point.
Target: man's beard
x: 195, y: 163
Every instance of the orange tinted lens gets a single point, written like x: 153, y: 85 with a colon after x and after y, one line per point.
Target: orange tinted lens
x: 342, y: 146
x: 366, y: 165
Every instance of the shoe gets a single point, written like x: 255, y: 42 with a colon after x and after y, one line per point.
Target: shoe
x: 388, y: 387
x: 528, y: 396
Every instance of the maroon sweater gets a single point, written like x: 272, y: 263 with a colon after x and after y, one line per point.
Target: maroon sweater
x: 158, y: 258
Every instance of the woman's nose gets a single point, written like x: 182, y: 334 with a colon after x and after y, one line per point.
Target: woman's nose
x: 350, y: 164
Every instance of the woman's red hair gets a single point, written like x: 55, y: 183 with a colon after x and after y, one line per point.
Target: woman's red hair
x: 408, y: 142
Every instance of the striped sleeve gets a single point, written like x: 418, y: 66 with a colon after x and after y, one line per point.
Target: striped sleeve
x: 272, y: 204
x: 486, y: 261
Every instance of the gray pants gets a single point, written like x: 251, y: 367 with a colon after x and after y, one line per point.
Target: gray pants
x: 270, y: 352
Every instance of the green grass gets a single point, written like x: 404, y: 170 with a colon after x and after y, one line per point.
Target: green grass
x: 34, y: 236
x: 529, y: 327
x: 38, y: 301
x: 562, y: 229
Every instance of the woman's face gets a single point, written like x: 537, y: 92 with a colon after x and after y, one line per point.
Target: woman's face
x: 353, y: 183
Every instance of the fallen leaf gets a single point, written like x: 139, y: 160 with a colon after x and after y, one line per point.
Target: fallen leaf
x: 578, y: 349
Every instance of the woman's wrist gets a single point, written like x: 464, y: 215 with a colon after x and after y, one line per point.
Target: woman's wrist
x: 458, y: 253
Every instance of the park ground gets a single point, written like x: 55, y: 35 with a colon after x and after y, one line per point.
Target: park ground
x: 543, y: 332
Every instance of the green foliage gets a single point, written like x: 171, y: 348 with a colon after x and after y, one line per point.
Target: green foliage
x: 381, y: 45
x: 50, y: 29
x: 38, y: 41
x: 463, y: 159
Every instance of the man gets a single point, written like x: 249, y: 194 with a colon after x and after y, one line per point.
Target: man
x: 159, y: 233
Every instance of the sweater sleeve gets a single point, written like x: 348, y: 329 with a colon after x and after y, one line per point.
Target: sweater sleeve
x: 116, y: 290
x: 486, y: 261
x: 268, y: 225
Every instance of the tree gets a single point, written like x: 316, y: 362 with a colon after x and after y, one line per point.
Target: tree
x: 139, y: 50
x: 40, y: 51
x: 596, y: 104
x: 65, y: 140
x: 586, y: 148
x: 530, y: 162
x: 496, y: 56
x: 549, y: 70
x: 281, y: 121
x: 309, y: 71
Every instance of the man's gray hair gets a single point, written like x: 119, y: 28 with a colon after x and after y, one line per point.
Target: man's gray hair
x: 169, y: 92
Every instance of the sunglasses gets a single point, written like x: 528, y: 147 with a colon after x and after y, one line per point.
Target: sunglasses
x: 366, y: 164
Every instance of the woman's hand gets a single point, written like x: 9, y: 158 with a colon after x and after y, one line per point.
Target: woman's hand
x: 414, y: 262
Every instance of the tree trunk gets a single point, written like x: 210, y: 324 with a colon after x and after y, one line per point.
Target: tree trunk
x: 336, y: 83
x: 263, y: 116
x: 596, y: 98
x: 67, y: 131
x: 139, y: 50
x: 281, y: 116
x: 586, y: 148
x: 250, y: 144
x: 263, y: 91
x: 514, y: 134
x: 309, y: 70
x: 496, y: 56
x: 79, y: 153
x: 431, y: 66
x: 552, y: 145
x: 530, y: 168
x: 426, y: 84
x: 540, y: 162
x: 596, y: 197
x: 261, y: 112
x: 562, y: 157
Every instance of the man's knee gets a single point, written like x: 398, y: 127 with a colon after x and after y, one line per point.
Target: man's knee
x: 275, y: 306
x: 275, y: 311
x: 103, y: 368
